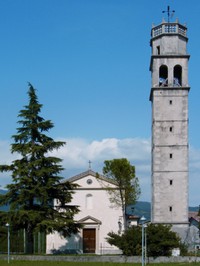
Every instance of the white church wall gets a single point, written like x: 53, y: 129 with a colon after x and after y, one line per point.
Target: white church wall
x: 96, y: 212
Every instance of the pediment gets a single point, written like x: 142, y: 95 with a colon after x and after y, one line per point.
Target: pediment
x: 89, y: 220
x: 91, y: 173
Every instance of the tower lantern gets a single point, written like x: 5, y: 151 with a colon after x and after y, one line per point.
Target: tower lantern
x: 169, y: 98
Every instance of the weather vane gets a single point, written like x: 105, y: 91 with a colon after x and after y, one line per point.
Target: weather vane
x: 169, y: 12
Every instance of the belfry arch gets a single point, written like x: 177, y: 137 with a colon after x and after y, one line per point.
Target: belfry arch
x: 163, y: 75
x: 177, y: 79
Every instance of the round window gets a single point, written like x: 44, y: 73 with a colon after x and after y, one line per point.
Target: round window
x: 89, y: 181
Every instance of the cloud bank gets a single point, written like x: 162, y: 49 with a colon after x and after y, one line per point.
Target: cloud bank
x: 77, y: 153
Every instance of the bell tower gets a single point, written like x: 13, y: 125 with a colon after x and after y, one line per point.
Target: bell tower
x: 169, y: 98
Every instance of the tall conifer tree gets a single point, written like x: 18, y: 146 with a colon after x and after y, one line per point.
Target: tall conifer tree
x: 36, y: 181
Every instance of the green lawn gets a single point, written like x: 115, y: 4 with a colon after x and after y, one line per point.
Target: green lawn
x: 57, y: 263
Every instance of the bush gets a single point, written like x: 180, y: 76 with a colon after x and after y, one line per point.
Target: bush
x: 160, y: 240
x: 129, y: 242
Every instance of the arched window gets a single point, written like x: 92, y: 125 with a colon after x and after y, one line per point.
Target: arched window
x: 89, y: 202
x: 177, y: 76
x: 163, y: 76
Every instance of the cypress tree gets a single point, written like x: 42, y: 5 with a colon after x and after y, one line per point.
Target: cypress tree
x: 38, y: 198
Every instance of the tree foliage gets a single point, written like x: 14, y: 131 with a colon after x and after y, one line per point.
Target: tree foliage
x: 123, y: 174
x: 36, y: 181
x: 160, y: 240
x: 129, y: 242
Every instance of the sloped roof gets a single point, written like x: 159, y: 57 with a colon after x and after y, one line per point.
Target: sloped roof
x: 92, y: 173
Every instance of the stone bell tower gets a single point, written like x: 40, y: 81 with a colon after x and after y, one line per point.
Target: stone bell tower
x: 169, y: 98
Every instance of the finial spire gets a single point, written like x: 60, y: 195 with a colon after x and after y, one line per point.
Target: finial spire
x: 169, y: 12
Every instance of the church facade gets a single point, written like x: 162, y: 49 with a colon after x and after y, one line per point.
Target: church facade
x: 97, y: 215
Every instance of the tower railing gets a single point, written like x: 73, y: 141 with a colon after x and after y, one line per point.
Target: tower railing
x: 169, y: 28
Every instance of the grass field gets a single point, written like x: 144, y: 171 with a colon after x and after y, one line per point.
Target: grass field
x: 58, y: 263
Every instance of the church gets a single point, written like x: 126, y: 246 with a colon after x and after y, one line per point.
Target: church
x: 97, y: 215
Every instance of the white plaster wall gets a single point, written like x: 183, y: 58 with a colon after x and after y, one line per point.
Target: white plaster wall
x: 100, y: 209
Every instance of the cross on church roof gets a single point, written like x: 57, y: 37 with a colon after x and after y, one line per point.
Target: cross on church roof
x: 169, y: 12
x: 89, y: 164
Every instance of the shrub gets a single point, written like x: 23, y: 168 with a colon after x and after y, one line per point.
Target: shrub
x: 160, y: 240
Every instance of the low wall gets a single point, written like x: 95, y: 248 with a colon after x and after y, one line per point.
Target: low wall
x: 121, y: 259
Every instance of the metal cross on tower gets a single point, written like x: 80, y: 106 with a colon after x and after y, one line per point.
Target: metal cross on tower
x: 169, y: 12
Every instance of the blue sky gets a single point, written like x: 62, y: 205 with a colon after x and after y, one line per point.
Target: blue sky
x: 89, y: 61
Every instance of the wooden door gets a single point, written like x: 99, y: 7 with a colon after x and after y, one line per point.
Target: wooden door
x: 89, y: 240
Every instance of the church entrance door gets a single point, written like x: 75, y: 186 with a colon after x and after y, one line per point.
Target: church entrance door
x: 89, y: 240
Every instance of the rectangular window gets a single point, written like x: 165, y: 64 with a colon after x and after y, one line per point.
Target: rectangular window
x: 170, y: 155
x: 158, y: 50
x: 170, y: 182
x: 170, y: 102
x: 171, y: 129
x: 170, y: 208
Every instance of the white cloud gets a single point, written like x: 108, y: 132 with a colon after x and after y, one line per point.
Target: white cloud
x: 6, y: 156
x: 77, y: 152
